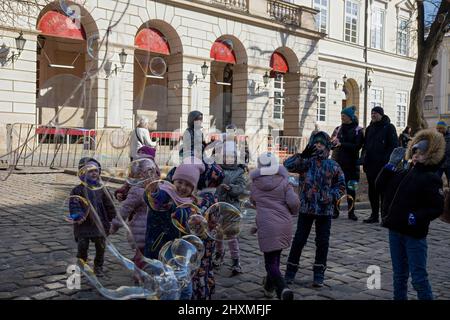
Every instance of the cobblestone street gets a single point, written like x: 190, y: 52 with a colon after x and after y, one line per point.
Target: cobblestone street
x: 37, y: 247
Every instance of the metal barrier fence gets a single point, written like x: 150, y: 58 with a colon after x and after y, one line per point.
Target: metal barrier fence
x: 286, y: 146
x: 29, y: 145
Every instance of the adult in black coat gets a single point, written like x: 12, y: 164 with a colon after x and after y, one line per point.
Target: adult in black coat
x: 412, y: 198
x: 380, y: 140
x: 347, y: 141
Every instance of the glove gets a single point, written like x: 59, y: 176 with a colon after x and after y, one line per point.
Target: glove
x: 309, y: 151
x: 396, y: 156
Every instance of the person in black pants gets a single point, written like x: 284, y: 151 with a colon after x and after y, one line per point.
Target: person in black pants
x: 381, y: 139
x: 347, y: 140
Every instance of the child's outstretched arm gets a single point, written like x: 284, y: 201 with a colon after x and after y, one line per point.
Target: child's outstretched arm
x: 300, y: 162
x: 129, y: 205
x: 156, y: 198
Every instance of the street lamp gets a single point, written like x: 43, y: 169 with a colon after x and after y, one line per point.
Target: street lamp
x: 123, y: 58
x: 266, y: 79
x: 4, y: 50
x: 204, y: 70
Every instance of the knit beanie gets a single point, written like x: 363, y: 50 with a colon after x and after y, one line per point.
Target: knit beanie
x: 349, y: 112
x: 190, y: 171
x: 441, y: 124
x: 379, y: 110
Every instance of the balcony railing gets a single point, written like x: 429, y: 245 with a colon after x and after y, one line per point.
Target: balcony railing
x: 241, y: 5
x: 284, y: 12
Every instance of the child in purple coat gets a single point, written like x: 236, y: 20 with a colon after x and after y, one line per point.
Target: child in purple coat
x: 276, y: 202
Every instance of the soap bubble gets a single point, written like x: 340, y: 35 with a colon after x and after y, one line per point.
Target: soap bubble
x: 224, y: 221
x: 78, y: 208
x: 140, y: 171
x: 158, y: 66
x: 89, y: 176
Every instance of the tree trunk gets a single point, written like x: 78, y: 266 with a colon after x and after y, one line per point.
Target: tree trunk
x: 427, y: 52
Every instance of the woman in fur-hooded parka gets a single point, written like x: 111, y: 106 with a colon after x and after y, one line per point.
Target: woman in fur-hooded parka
x: 416, y: 191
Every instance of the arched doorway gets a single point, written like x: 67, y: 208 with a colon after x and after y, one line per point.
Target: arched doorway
x: 158, y: 75
x: 228, y: 85
x: 286, y: 115
x: 350, y: 95
x: 64, y: 97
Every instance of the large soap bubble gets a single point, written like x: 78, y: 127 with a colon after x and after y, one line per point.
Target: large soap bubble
x: 224, y: 221
x: 89, y: 176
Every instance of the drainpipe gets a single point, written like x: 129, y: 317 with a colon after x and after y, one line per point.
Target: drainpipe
x: 366, y: 19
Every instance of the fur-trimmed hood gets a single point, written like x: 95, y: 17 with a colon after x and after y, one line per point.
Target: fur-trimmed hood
x: 436, y: 147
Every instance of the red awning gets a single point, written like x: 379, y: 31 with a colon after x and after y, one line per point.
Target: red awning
x: 57, y: 24
x: 152, y: 40
x: 221, y: 51
x: 278, y: 63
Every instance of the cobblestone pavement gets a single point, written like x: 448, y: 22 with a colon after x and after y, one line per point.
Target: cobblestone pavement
x: 37, y: 246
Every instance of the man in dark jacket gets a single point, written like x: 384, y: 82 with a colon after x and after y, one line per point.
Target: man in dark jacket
x: 412, y: 198
x: 381, y: 139
x: 347, y: 141
x: 442, y: 128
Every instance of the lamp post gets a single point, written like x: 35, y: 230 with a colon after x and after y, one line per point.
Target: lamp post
x: 204, y: 70
x: 266, y: 79
x: 4, y: 50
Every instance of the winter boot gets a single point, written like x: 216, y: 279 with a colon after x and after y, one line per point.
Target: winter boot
x: 236, y: 267
x: 372, y: 219
x: 283, y: 292
x: 291, y: 271
x: 98, y: 270
x: 319, y: 275
x: 269, y: 287
x: 218, y: 259
x: 352, y: 216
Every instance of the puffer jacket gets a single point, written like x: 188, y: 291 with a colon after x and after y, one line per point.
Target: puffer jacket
x: 276, y: 202
x: 321, y: 183
x: 233, y: 177
x: 413, y: 198
x: 134, y: 209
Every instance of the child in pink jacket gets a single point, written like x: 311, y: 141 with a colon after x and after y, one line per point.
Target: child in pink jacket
x: 276, y: 202
x: 134, y: 209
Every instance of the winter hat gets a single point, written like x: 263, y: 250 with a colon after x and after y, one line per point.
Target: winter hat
x: 441, y: 124
x: 379, y: 110
x: 421, y: 145
x: 349, y: 112
x: 265, y: 160
x: 323, y: 138
x: 87, y: 160
x: 146, y: 152
x: 190, y: 171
